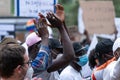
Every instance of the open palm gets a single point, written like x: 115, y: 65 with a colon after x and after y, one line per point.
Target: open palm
x: 60, y: 12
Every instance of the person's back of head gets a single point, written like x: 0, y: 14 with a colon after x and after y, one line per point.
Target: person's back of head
x: 104, y: 46
x: 103, y: 50
x: 92, y: 59
x: 9, y: 40
x: 11, y: 55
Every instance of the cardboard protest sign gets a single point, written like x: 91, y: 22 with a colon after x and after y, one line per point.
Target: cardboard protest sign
x: 98, y: 16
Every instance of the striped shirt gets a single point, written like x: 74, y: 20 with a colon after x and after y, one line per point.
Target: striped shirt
x: 41, y: 61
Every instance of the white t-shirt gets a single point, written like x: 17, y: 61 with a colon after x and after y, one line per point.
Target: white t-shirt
x: 69, y: 73
x: 86, y: 71
x: 108, y: 70
x: 115, y: 73
x: 48, y: 76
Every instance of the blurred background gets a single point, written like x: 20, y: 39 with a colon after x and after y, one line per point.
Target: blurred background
x: 16, y: 16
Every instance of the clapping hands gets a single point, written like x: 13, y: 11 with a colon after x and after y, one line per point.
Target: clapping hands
x: 41, y: 26
x: 55, y: 20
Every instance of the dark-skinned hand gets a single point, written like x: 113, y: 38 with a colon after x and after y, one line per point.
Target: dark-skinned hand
x: 41, y: 26
x: 54, y: 21
x: 60, y: 12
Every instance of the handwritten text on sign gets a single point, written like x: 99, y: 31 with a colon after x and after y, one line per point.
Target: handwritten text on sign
x: 31, y: 8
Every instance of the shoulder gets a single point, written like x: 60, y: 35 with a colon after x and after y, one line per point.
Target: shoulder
x: 98, y: 74
x: 67, y: 71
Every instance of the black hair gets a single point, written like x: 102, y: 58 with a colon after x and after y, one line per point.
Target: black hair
x: 91, y: 59
x: 103, y: 50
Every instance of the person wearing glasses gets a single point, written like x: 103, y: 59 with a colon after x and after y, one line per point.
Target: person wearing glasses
x: 14, y: 62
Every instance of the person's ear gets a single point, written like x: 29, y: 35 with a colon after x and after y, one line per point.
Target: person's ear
x: 116, y: 54
x: 18, y: 69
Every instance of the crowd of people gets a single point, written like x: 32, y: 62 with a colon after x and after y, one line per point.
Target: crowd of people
x: 43, y: 58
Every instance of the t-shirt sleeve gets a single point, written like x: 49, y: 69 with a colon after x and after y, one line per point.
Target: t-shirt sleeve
x: 41, y: 60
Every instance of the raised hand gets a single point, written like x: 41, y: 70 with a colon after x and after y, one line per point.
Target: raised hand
x: 41, y: 26
x: 60, y: 12
x: 61, y: 15
x: 54, y: 21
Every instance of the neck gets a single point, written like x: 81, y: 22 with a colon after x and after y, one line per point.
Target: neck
x: 76, y: 66
x: 104, y: 59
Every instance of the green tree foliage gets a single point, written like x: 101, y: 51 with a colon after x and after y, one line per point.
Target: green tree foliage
x: 71, y: 10
x: 117, y: 7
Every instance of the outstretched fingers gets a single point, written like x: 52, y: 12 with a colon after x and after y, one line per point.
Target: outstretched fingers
x: 59, y: 7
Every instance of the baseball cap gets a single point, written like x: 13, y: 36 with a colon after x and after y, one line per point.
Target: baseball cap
x: 54, y: 43
x: 77, y: 47
x: 104, y: 46
x: 32, y: 38
x: 116, y: 44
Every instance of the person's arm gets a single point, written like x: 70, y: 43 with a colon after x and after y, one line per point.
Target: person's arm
x: 60, y: 13
x: 88, y: 41
x: 41, y: 60
x: 68, y: 52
